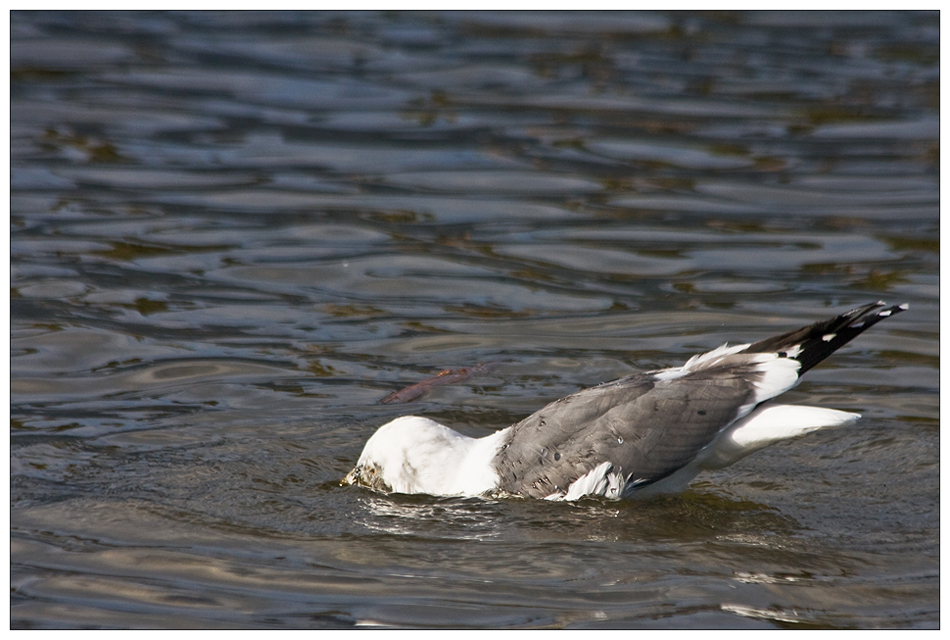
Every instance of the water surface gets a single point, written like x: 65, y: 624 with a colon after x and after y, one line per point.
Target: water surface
x: 232, y: 234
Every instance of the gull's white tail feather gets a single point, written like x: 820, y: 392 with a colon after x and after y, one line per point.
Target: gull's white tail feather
x: 764, y: 426
x: 769, y: 424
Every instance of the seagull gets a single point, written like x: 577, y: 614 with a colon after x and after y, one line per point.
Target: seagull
x: 644, y: 434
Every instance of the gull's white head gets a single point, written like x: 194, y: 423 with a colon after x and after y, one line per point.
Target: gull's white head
x: 418, y: 455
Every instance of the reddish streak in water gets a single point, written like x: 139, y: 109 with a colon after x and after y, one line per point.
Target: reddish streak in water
x: 448, y: 376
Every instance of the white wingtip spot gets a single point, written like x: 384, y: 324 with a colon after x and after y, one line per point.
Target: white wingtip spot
x: 903, y: 307
x: 884, y: 314
x: 794, y: 351
x: 828, y: 337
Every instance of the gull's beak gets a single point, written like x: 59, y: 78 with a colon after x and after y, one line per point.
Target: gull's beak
x: 351, y: 478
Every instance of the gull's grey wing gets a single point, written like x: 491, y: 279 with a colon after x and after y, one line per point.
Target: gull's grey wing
x: 645, y: 426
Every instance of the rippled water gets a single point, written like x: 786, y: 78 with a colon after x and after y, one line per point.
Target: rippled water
x: 233, y: 234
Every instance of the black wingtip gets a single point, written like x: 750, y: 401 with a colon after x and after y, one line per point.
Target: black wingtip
x: 864, y: 318
x: 812, y: 344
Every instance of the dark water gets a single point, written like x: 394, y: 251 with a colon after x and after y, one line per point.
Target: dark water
x: 232, y: 234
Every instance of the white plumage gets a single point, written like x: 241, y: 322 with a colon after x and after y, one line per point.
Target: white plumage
x: 418, y: 455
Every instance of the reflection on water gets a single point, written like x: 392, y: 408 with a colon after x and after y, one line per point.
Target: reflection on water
x: 232, y: 234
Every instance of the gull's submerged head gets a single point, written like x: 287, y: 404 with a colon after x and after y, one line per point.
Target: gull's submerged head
x: 418, y: 455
